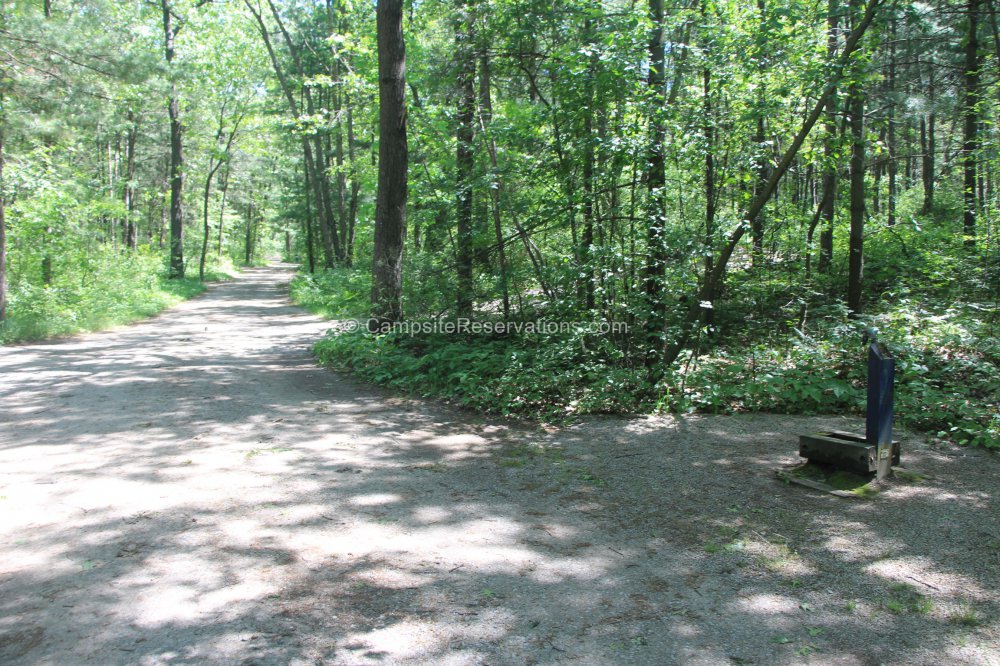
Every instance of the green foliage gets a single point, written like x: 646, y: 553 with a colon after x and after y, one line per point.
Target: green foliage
x: 333, y: 293
x: 947, y: 374
x: 947, y: 360
x: 110, y: 288
x: 547, y: 377
x: 542, y: 376
x: 903, y: 599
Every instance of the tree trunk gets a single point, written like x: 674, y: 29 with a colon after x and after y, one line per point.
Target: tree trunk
x: 587, y: 239
x: 760, y: 141
x: 486, y: 119
x: 341, y: 185
x: 176, y: 156
x: 208, y: 230
x: 656, y: 250
x: 248, y: 244
x: 390, y: 201
x: 161, y: 230
x: 310, y: 247
x: 214, y: 165
x: 222, y: 206
x: 757, y: 228
x: 970, y: 114
x: 131, y: 226
x: 337, y: 99
x: 352, y: 208
x: 855, y: 270
x: 829, y: 155
x: 324, y: 198
x: 464, y: 158
x: 709, y: 130
x: 891, y: 167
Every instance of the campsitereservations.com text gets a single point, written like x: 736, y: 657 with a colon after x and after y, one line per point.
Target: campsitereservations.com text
x: 468, y: 326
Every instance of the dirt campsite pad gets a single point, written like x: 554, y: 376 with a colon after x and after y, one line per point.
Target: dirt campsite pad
x: 194, y: 490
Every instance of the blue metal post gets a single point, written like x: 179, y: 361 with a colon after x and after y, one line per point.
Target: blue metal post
x: 878, y: 426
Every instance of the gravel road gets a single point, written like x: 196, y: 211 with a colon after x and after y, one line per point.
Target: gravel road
x: 194, y: 490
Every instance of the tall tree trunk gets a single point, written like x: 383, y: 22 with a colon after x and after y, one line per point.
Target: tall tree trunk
x: 248, y: 240
x: 176, y: 155
x: 856, y: 109
x: 324, y: 198
x: 222, y: 206
x: 352, y: 207
x: 390, y: 201
x: 464, y: 157
x: 214, y: 165
x: 341, y: 185
x: 890, y: 143
x: 709, y: 130
x: 336, y: 95
x: 970, y: 114
x: 161, y: 229
x: 760, y: 138
x: 322, y: 210
x: 355, y: 184
x: 757, y: 230
x: 656, y: 250
x: 131, y: 225
x: 928, y: 146
x: 829, y: 208
x: 307, y: 222
x: 208, y: 230
x: 878, y: 167
x: 486, y: 119
x: 587, y: 239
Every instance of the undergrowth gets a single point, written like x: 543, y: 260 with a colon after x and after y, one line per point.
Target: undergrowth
x: 108, y: 289
x: 947, y: 374
x: 947, y: 364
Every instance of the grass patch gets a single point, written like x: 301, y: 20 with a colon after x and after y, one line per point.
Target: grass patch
x: 836, y: 479
x: 112, y: 289
x: 904, y: 599
x: 966, y: 616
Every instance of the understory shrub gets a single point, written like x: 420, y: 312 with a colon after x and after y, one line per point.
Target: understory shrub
x: 947, y: 374
x: 947, y: 365
x: 104, y: 288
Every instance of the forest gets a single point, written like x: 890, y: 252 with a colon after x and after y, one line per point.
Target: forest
x: 711, y: 200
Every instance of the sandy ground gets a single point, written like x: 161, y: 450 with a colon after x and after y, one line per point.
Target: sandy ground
x: 194, y: 490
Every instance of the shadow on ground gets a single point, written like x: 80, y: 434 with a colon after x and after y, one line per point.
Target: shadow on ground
x: 194, y: 490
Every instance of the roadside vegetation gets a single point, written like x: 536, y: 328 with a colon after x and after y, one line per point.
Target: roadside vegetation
x: 783, y: 342
x: 103, y: 290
